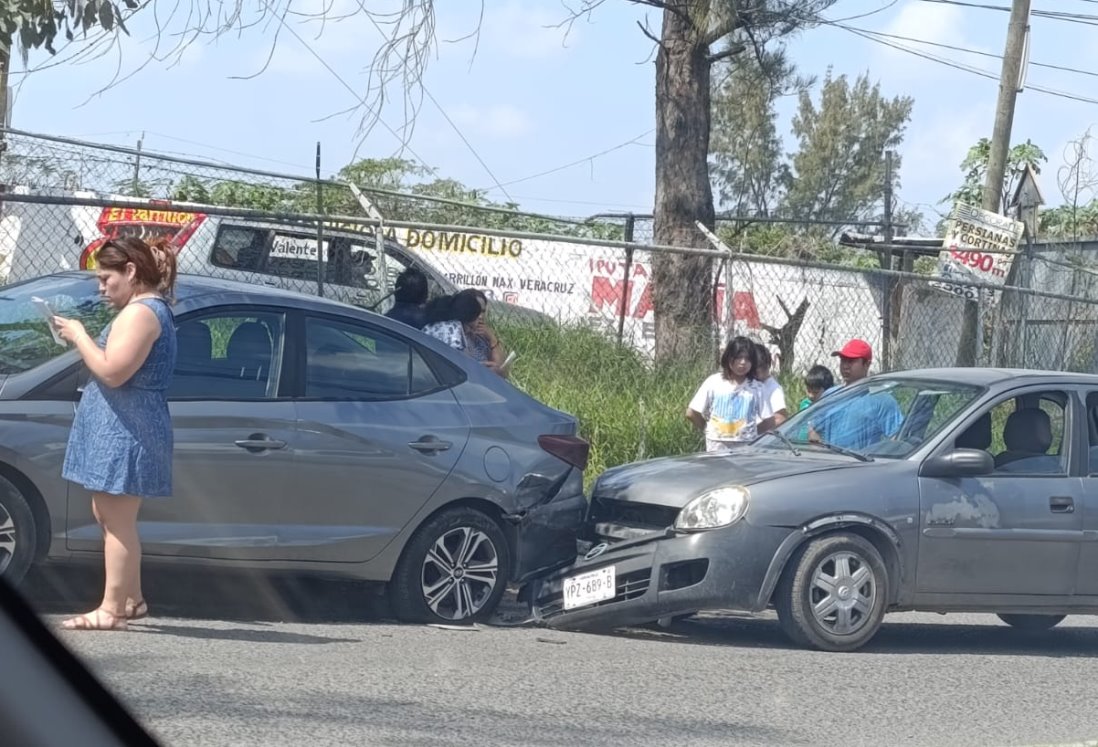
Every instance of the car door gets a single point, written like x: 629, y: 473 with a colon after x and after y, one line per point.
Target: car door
x: 1018, y: 530
x: 378, y: 433
x: 233, y: 460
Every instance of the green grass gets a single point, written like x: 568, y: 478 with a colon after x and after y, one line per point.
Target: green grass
x: 627, y: 408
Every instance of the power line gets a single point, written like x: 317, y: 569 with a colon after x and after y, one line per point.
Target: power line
x: 577, y: 162
x: 1057, y: 15
x: 347, y: 86
x: 978, y: 52
x: 451, y: 122
x: 971, y: 69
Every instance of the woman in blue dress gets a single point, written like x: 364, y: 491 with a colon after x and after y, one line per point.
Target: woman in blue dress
x: 120, y: 446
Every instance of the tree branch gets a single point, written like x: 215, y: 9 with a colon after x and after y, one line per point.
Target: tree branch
x: 644, y: 30
x: 732, y: 51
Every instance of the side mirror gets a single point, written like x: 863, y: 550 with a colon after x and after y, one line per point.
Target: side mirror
x: 959, y: 463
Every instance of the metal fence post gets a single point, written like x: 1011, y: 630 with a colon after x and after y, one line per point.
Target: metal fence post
x: 1026, y: 280
x: 626, y: 292
x: 630, y: 225
x: 886, y: 261
x: 978, y: 358
x: 729, y: 304
x: 319, y: 227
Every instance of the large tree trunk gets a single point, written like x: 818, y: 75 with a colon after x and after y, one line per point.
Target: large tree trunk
x: 682, y: 283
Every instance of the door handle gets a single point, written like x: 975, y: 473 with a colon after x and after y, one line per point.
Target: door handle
x: 429, y: 445
x: 258, y: 442
x: 1061, y: 504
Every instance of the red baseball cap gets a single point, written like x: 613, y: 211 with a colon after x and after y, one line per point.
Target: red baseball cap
x: 855, y: 349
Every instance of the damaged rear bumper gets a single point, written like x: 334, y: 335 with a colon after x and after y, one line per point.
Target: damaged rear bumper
x: 664, y: 574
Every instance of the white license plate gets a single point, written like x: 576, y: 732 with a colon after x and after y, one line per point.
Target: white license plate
x: 588, y: 588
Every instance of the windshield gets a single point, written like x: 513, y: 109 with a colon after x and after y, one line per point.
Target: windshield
x: 26, y: 341
x: 877, y: 418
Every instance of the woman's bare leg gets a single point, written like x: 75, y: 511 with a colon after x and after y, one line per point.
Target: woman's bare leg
x: 121, y: 550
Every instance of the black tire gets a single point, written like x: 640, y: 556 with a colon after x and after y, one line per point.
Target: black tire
x: 18, y: 533
x: 861, y: 577
x: 465, y: 600
x: 1032, y: 622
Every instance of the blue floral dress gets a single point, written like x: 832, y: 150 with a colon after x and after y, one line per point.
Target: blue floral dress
x: 121, y: 438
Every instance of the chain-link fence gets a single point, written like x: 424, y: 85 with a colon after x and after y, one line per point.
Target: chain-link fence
x: 63, y: 198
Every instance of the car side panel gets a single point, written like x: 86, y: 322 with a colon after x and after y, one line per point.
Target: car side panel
x: 33, y: 436
x: 880, y: 497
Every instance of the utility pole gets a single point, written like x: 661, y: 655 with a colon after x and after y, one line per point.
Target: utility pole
x: 136, y: 191
x: 1010, y: 83
x: 5, y: 103
x: 970, y: 350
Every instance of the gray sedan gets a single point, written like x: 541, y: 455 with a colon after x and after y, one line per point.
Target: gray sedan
x: 953, y: 490
x: 309, y: 436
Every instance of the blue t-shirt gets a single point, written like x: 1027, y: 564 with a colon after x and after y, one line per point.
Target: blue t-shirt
x: 862, y: 422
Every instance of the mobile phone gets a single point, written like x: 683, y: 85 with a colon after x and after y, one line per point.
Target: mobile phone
x: 47, y: 313
x: 508, y: 361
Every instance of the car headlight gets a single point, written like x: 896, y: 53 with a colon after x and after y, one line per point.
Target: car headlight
x: 717, y: 508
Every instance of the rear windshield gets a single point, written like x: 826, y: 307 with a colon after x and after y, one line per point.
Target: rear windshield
x: 25, y: 338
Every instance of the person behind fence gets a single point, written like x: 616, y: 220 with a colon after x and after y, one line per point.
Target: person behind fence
x: 455, y: 321
x: 860, y: 421
x: 817, y: 382
x: 486, y: 345
x: 730, y: 406
x: 772, y: 388
x: 120, y: 443
x: 410, y: 298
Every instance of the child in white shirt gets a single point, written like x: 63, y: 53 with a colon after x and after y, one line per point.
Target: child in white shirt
x: 731, y: 406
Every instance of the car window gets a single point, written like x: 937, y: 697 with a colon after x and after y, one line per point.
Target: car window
x: 358, y: 362
x: 1092, y: 433
x: 1024, y: 434
x: 356, y: 264
x: 229, y: 355
x: 239, y: 248
x: 880, y: 418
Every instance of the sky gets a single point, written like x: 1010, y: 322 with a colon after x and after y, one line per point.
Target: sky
x: 531, y: 94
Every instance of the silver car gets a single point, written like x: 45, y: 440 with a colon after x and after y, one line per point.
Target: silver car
x: 950, y: 490
x: 309, y: 436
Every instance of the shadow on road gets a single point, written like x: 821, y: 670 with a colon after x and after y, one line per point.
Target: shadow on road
x: 236, y: 634
x: 216, y: 595
x: 742, y: 631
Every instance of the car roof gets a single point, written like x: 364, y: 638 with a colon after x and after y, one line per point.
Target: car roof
x: 987, y: 377
x: 190, y: 289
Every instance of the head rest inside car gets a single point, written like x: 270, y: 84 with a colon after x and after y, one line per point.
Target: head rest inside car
x: 1028, y: 430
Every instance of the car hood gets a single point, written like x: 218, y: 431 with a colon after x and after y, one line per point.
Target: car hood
x: 675, y: 481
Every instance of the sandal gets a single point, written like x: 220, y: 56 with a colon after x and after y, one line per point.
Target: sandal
x: 98, y: 619
x: 137, y: 610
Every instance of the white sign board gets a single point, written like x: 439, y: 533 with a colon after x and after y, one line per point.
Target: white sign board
x: 979, y: 246
x: 575, y: 282
x: 295, y: 247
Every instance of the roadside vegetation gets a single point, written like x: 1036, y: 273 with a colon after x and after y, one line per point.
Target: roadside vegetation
x: 628, y: 407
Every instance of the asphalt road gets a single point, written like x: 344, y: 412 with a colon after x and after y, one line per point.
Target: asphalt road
x: 261, y: 661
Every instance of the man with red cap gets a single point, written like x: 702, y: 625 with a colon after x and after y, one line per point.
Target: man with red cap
x: 854, y: 359
x: 864, y: 420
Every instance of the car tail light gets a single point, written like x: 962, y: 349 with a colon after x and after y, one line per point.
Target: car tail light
x: 569, y: 449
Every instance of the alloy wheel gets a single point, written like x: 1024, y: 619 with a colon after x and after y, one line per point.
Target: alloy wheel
x: 459, y: 573
x: 7, y: 539
x: 843, y: 591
